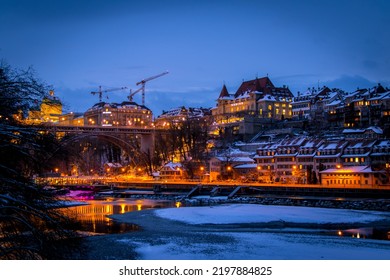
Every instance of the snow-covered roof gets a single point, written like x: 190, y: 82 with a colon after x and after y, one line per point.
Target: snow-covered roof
x: 332, y: 145
x: 190, y: 112
x: 311, y: 143
x: 226, y: 98
x: 328, y: 156
x: 306, y: 155
x: 375, y: 129
x: 172, y: 166
x: 113, y: 164
x: 263, y: 157
x: 383, y: 143
x: 334, y: 103
x: 268, y: 97
x: 350, y: 169
x: 286, y: 155
x: 246, y: 166
x: 235, y: 159
x: 380, y: 96
x: 332, y: 94
x: 293, y: 141
x: 125, y: 104
x: 355, y: 155
x: 361, y: 144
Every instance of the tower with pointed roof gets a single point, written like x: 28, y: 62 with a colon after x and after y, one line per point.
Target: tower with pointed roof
x: 254, y: 100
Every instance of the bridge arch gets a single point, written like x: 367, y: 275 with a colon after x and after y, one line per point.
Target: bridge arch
x: 130, y: 147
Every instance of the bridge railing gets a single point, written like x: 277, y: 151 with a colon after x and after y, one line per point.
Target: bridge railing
x: 101, y: 129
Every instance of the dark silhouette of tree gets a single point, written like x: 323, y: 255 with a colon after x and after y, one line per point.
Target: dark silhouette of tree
x: 31, y: 226
x: 186, y: 139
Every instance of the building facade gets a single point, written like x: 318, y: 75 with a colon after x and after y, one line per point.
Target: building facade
x: 181, y: 114
x: 254, y: 103
x: 352, y: 177
x: 119, y: 114
x: 48, y: 111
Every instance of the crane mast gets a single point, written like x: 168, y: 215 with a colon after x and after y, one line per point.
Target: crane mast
x: 100, y: 91
x: 143, y: 82
x: 132, y: 93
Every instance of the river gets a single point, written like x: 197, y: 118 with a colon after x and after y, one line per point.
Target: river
x: 93, y: 214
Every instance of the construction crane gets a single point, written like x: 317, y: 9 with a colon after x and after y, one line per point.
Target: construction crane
x: 132, y: 93
x: 143, y: 82
x: 100, y: 91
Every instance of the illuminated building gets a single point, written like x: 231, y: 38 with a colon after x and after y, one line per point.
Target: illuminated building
x: 118, y: 114
x: 328, y: 155
x: 223, y: 167
x: 357, y: 152
x: 49, y: 110
x: 254, y: 100
x: 75, y: 119
x: 380, y: 154
x: 181, y: 114
x: 171, y: 171
x: 352, y: 176
x: 371, y: 132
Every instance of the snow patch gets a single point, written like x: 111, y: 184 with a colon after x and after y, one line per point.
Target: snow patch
x: 239, y: 213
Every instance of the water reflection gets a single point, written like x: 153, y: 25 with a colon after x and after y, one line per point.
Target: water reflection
x: 93, y: 216
x: 369, y: 232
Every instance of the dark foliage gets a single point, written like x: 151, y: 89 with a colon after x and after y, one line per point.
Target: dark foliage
x: 31, y: 224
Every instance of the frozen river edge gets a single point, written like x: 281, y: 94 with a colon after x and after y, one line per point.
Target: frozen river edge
x: 175, y: 234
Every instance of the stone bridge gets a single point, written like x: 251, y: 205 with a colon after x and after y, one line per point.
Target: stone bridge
x: 130, y: 139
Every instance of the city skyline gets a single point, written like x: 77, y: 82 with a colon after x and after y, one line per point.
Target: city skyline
x: 77, y: 46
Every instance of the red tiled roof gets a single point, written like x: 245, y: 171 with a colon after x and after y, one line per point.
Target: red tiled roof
x: 263, y: 85
x: 258, y: 84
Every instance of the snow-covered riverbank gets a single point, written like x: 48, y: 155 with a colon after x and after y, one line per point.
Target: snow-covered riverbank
x: 244, y: 213
x: 244, y: 232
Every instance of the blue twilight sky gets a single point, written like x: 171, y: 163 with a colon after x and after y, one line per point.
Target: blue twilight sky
x: 77, y: 45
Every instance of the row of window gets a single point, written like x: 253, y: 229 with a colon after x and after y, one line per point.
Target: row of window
x: 357, y: 160
x: 346, y: 182
x: 365, y: 175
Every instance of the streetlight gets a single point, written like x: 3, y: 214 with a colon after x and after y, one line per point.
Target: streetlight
x: 294, y: 173
x: 258, y: 168
x: 229, y: 169
x: 179, y: 171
